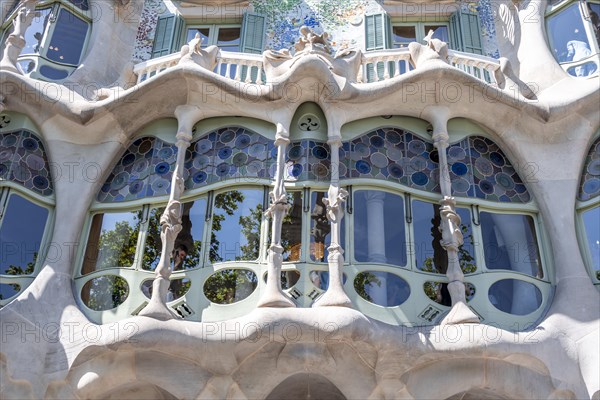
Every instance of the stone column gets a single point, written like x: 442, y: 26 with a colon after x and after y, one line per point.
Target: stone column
x: 170, y: 226
x: 16, y: 40
x: 335, y: 295
x: 452, y: 237
x: 273, y: 296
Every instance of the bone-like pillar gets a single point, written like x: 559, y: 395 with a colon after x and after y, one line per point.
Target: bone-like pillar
x: 273, y: 296
x: 452, y: 237
x: 170, y: 226
x: 335, y: 295
x: 16, y: 40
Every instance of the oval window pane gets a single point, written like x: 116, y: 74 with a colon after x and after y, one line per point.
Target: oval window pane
x: 177, y: 288
x: 510, y: 242
x: 237, y: 216
x: 21, y: 236
x: 188, y: 244
x: 104, y: 292
x: 53, y: 73
x: 8, y: 290
x: 585, y: 69
x: 438, y: 292
x: 429, y: 253
x: 112, y: 241
x: 382, y: 288
x: 379, y: 229
x: 514, y: 296
x: 229, y: 286
x: 321, y: 279
x: 288, y: 278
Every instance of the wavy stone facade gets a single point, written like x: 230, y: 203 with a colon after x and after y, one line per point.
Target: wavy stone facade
x: 354, y: 143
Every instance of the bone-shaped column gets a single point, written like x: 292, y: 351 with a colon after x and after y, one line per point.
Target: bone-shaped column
x: 452, y: 237
x: 273, y: 296
x: 335, y: 295
x: 170, y: 226
x: 16, y: 40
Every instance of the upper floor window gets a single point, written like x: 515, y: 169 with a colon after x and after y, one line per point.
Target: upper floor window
x: 574, y: 34
x: 56, y: 39
x: 404, y: 33
x: 173, y: 31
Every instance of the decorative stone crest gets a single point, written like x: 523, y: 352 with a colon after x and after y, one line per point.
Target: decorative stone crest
x: 194, y: 53
x: 434, y: 50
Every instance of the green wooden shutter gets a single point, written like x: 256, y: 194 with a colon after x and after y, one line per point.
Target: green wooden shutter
x: 378, y: 36
x: 465, y: 32
x: 253, y: 33
x: 167, y: 36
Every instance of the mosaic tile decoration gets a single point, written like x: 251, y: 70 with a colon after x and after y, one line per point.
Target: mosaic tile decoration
x: 23, y: 160
x: 146, y: 29
x: 395, y: 155
x: 310, y: 160
x: 589, y: 186
x: 229, y: 153
x: 478, y: 168
x: 145, y: 170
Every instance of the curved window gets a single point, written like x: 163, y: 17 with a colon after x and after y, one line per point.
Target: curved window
x: 574, y: 35
x: 105, y: 292
x: 55, y: 40
x: 390, y: 233
x: 588, y: 204
x: 25, y: 209
x: 514, y: 296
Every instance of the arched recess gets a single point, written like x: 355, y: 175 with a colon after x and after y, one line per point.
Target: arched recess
x: 306, y: 386
x: 492, y: 377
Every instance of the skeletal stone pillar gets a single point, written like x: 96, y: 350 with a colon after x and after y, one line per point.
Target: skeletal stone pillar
x: 273, y: 296
x: 335, y: 295
x: 452, y: 237
x: 16, y: 40
x: 170, y: 226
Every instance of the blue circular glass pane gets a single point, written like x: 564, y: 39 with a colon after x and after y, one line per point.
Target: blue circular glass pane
x: 459, y: 169
x: 199, y: 177
x: 162, y: 168
x: 377, y: 141
x: 515, y: 296
x: 363, y: 167
x: 420, y: 178
x: 320, y: 152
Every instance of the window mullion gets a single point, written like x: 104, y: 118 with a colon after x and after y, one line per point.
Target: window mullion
x: 142, y: 236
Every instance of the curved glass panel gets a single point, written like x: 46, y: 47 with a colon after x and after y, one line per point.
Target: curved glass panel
x: 104, y: 292
x: 177, y: 289
x: 510, y: 242
x: 321, y: 279
x: 429, y: 253
x: 589, y: 186
x: 230, y: 285
x: 568, y: 40
x: 382, y: 288
x: 514, y: 296
x: 8, y: 290
x: 591, y: 221
x: 585, y: 69
x: 379, y: 229
x: 438, y: 292
x: 23, y: 160
x: 320, y: 228
x: 68, y: 38
x: 53, y: 73
x: 21, y: 235
x: 288, y: 278
x: 112, y: 241
x: 83, y: 4
x: 236, y: 222
x: 35, y: 33
x: 188, y: 244
x: 291, y: 228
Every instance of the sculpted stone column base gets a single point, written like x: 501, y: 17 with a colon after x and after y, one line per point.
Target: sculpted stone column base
x: 335, y: 295
x: 157, y: 308
x: 460, y: 313
x: 273, y: 296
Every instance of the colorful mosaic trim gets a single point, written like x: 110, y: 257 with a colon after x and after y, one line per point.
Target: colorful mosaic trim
x: 230, y: 153
x: 590, y: 179
x: 23, y: 160
x: 145, y: 170
x: 395, y: 155
x: 478, y: 168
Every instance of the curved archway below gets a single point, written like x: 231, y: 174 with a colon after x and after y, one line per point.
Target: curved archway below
x: 306, y: 386
x: 477, y: 394
x: 139, y: 391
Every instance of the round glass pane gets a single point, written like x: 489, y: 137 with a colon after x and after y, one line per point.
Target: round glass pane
x: 382, y: 288
x: 515, y: 296
x: 104, y: 292
x: 229, y: 286
x: 321, y: 279
x: 288, y: 278
x: 438, y: 292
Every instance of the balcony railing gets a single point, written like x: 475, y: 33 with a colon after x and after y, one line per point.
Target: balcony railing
x: 377, y: 65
